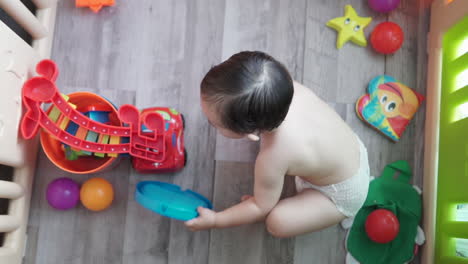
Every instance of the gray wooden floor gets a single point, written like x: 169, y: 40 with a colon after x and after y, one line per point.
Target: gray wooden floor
x: 154, y: 53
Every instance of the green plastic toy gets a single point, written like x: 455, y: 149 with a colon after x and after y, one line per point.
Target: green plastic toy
x: 393, y: 192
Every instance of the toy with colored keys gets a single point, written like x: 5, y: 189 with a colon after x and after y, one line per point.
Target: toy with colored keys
x: 68, y: 157
x: 151, y: 147
x: 94, y: 112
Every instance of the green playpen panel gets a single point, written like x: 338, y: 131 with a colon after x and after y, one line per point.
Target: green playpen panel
x: 452, y: 186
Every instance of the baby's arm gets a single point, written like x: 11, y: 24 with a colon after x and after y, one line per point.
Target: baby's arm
x: 269, y: 180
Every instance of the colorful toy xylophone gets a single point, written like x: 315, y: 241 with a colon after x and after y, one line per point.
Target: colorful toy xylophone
x: 91, y: 136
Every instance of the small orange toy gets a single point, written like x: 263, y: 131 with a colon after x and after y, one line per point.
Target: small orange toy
x: 96, y: 194
x: 94, y: 5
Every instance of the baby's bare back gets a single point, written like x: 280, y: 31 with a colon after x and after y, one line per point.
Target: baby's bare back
x: 315, y: 141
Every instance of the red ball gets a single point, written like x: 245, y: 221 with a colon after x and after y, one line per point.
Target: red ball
x: 382, y: 226
x: 387, y: 37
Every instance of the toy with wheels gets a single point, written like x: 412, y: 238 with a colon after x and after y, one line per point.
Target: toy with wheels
x: 72, y: 125
x: 386, y: 229
x: 176, y: 156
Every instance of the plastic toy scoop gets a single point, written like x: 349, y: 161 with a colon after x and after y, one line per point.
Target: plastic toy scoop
x: 48, y: 69
x: 39, y: 89
x: 154, y: 121
x: 35, y: 90
x: 129, y: 115
x: 42, y: 88
x: 169, y: 200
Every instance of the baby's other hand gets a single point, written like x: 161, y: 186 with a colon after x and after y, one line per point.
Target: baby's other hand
x: 245, y: 197
x: 206, y: 220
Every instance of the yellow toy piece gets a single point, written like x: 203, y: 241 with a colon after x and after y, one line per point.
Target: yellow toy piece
x: 350, y: 27
x: 114, y: 140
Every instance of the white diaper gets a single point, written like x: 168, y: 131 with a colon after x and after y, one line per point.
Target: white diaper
x: 350, y: 194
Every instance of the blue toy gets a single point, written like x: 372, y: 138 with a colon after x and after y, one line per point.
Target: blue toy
x: 169, y: 200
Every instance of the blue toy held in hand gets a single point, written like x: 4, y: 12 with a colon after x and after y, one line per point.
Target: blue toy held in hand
x: 169, y: 200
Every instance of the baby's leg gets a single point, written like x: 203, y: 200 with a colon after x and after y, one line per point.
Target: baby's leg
x: 306, y: 212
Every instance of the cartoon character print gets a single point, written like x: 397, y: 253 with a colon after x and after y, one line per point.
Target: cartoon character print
x: 389, y: 106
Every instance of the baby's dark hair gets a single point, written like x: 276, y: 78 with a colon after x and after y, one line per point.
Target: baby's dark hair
x: 251, y: 91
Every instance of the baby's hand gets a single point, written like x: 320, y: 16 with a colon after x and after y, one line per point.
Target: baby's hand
x: 206, y: 220
x: 245, y: 197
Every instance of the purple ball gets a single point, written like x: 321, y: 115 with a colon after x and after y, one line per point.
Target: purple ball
x: 383, y: 6
x: 63, y: 193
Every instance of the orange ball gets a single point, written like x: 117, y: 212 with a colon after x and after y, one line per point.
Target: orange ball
x: 96, y: 194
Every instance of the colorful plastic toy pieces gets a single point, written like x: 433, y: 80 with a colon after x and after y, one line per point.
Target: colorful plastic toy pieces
x: 388, y: 106
x: 42, y: 89
x: 94, y: 5
x: 350, y: 27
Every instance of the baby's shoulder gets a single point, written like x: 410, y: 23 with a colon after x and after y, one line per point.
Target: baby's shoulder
x: 280, y: 147
x: 270, y: 163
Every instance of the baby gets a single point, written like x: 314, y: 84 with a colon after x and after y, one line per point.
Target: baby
x: 252, y: 94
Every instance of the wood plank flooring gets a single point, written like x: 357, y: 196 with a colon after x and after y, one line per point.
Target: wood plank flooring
x: 155, y: 53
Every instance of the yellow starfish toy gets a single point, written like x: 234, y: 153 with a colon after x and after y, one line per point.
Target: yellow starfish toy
x: 350, y: 27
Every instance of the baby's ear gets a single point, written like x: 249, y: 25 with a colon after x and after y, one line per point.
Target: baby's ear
x: 253, y: 137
